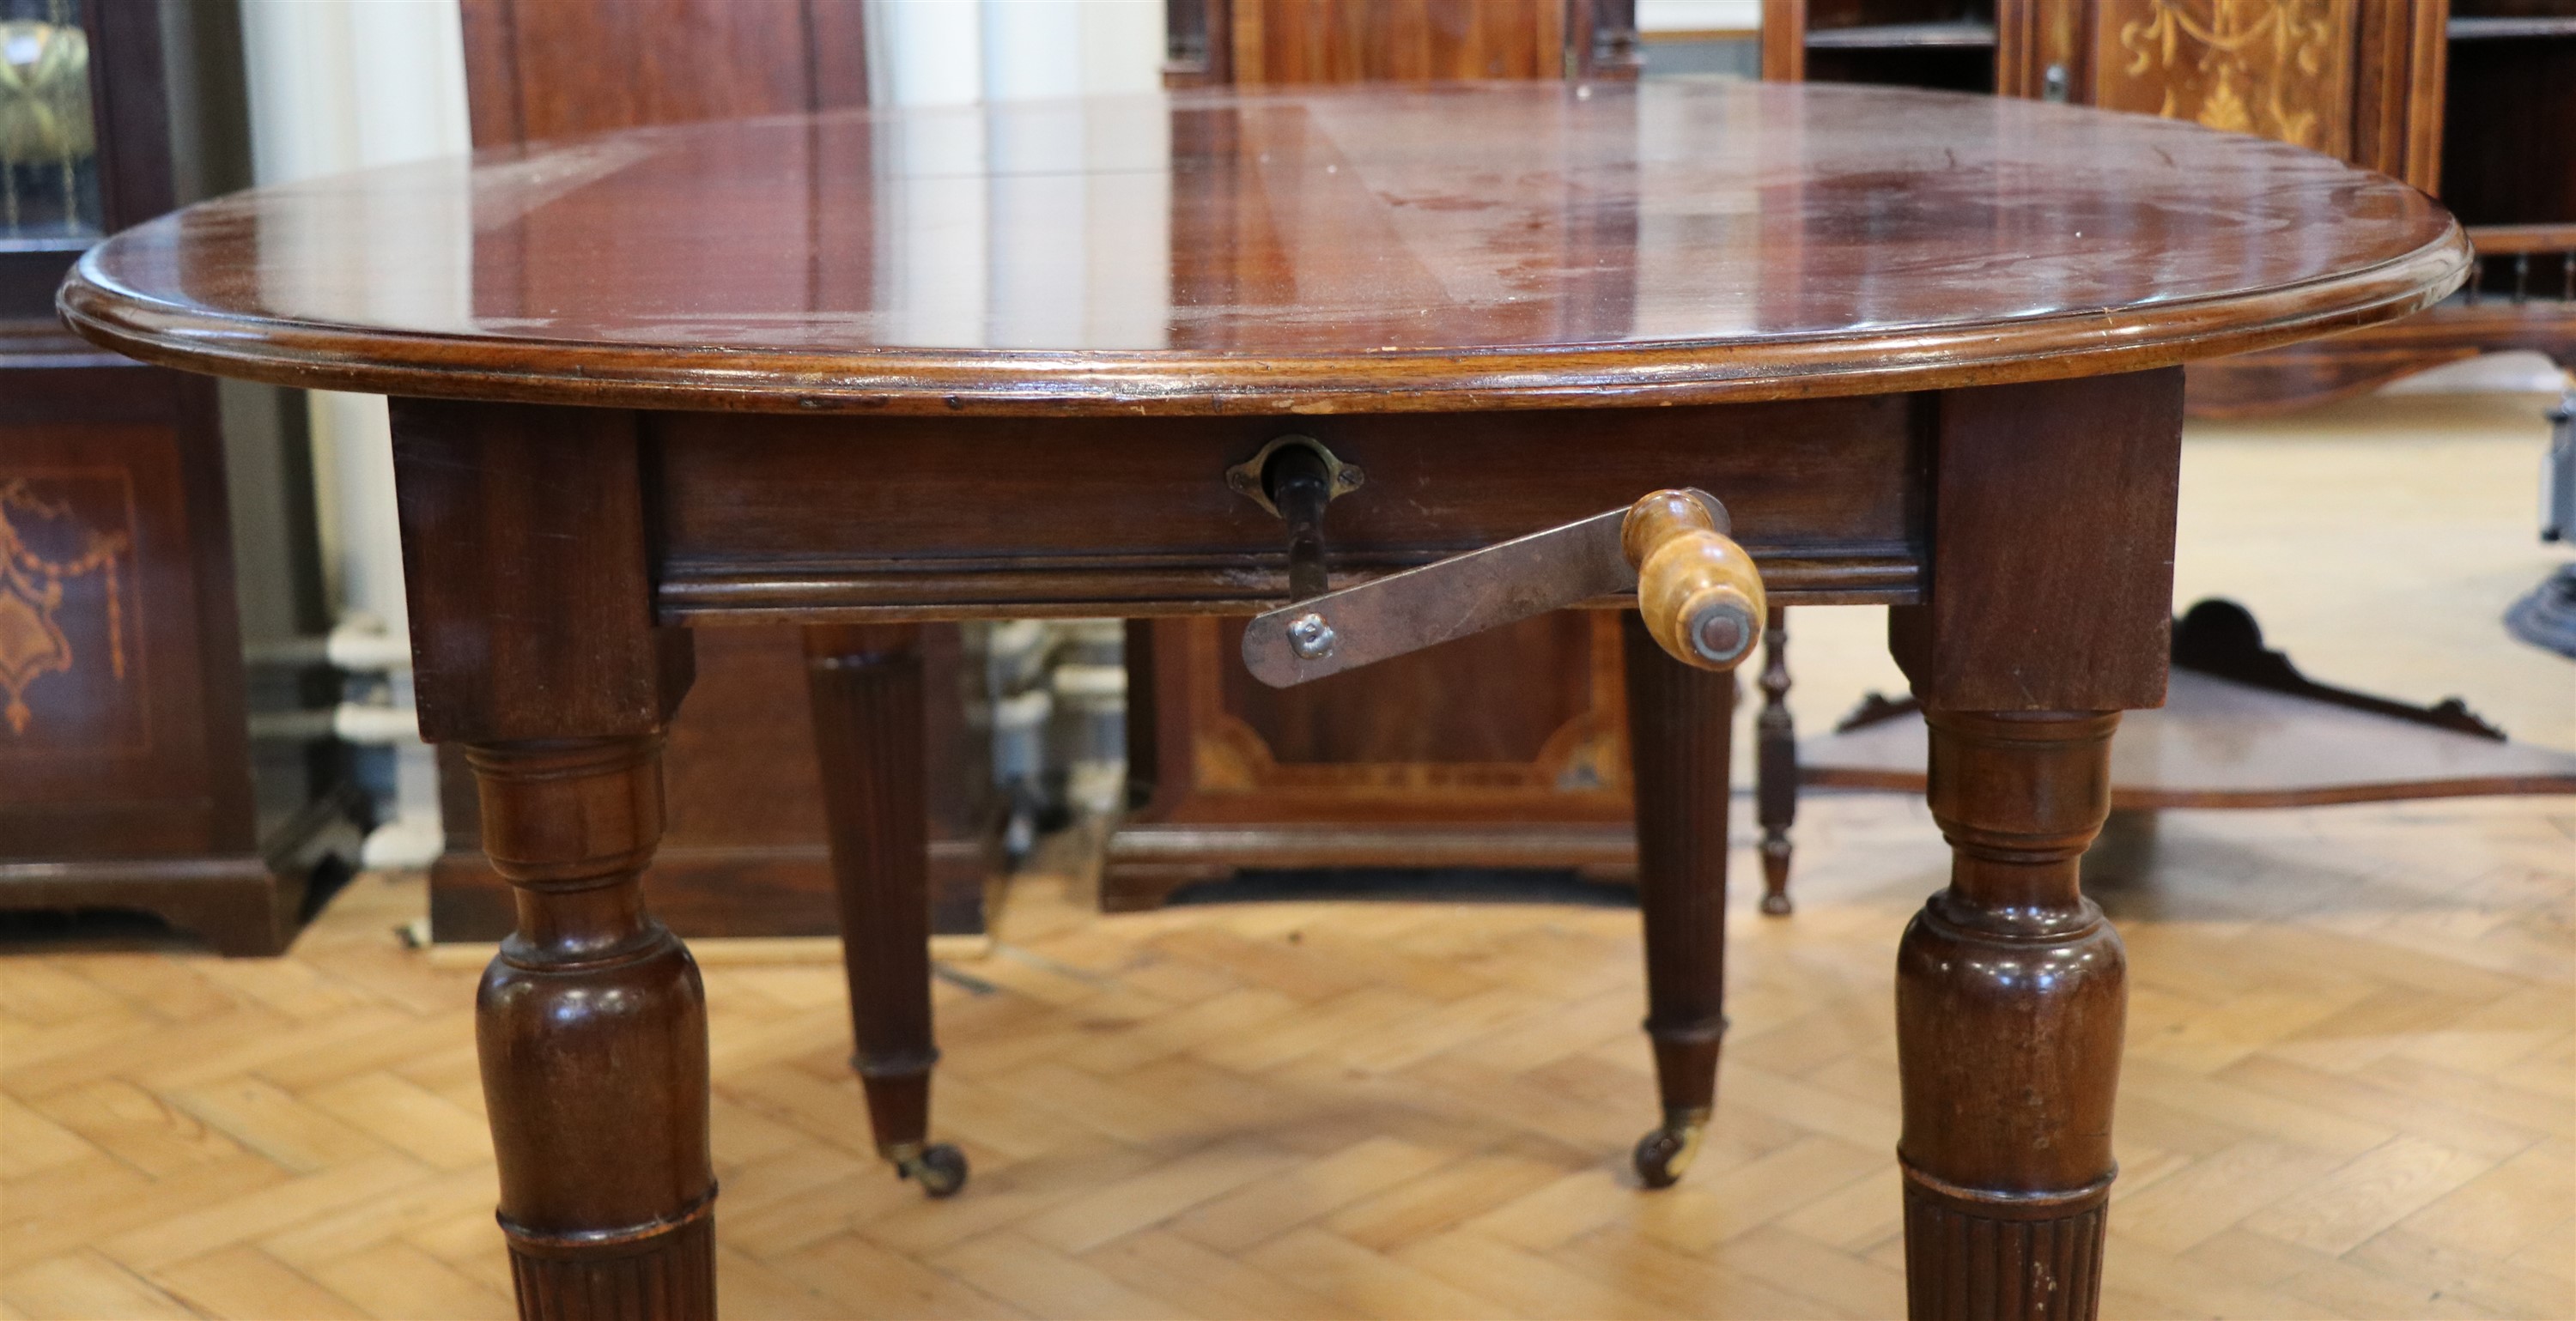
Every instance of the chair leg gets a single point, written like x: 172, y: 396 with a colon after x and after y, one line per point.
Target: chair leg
x: 1680, y: 725
x: 1776, y: 766
x: 866, y: 688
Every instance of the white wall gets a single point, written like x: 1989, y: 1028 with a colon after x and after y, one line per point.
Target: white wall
x: 933, y: 53
x: 1699, y: 15
x: 340, y: 85
x: 951, y: 52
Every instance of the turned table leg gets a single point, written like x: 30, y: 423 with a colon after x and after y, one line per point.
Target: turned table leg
x: 593, y: 1033
x: 868, y: 731
x: 1775, y: 779
x: 1680, y: 726
x: 2010, y: 992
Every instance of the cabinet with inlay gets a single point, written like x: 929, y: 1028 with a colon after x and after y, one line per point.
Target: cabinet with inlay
x: 2473, y: 101
x: 162, y: 746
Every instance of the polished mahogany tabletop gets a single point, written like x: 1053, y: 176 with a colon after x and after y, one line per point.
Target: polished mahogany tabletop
x: 1328, y: 249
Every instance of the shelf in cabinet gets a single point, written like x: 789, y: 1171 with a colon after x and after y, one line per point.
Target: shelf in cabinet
x: 1902, y: 36
x: 2491, y: 27
x: 2508, y: 240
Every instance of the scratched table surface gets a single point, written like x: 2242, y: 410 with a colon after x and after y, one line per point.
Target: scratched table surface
x: 1465, y: 246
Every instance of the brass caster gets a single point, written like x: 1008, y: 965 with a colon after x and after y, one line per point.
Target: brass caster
x: 1662, y: 1155
x: 940, y: 1169
x: 1775, y: 905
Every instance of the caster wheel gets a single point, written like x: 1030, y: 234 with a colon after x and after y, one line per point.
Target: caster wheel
x: 939, y: 1169
x: 1662, y: 1155
x: 1775, y: 905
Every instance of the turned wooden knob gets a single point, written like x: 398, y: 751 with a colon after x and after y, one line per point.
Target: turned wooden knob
x: 1698, y: 590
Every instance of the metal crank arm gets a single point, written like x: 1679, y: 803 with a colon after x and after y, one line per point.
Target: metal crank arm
x: 1699, y: 592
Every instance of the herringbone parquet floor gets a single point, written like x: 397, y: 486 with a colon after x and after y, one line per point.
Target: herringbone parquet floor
x: 2350, y: 1091
x: 2350, y: 1086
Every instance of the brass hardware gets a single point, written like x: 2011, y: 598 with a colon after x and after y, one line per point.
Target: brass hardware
x: 1248, y: 477
x: 1662, y: 1155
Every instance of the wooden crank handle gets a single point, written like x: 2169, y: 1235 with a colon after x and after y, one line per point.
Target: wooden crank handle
x: 1698, y: 590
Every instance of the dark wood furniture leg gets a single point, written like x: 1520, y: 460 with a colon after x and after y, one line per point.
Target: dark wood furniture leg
x: 1680, y: 728
x: 2050, y: 613
x: 868, y: 722
x: 1775, y: 780
x: 593, y: 1030
x: 2010, y: 996
x: 534, y: 646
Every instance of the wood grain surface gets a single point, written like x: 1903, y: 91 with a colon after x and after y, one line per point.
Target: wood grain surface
x: 1430, y: 248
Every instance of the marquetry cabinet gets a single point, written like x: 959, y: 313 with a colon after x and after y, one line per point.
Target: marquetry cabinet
x: 1505, y: 750
x: 2471, y: 100
x: 163, y: 742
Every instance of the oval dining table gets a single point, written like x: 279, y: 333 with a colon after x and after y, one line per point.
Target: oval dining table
x: 869, y: 368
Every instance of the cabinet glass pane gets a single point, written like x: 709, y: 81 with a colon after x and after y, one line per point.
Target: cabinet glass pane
x: 48, y: 142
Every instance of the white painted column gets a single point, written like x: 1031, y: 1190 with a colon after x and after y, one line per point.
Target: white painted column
x: 339, y: 85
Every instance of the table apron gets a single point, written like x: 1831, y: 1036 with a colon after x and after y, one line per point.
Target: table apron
x: 765, y: 519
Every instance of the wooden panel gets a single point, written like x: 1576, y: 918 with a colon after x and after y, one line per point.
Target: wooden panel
x: 499, y: 651
x: 1784, y: 40
x: 1503, y: 696
x: 1507, y: 749
x: 2397, y: 94
x: 1343, y: 41
x: 543, y: 70
x: 2279, y: 68
x: 1418, y: 743
x: 120, y: 671
x: 2038, y: 602
x: 993, y: 515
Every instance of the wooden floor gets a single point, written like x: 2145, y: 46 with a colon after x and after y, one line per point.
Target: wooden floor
x: 2350, y: 1085
x: 2350, y: 1091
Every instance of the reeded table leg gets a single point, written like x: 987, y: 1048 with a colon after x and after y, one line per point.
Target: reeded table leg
x: 1680, y: 725
x: 593, y: 1029
x: 866, y: 688
x: 1775, y: 778
x: 2010, y: 993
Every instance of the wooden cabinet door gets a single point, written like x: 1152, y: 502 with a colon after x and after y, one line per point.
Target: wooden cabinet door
x: 2359, y: 79
x: 1258, y: 42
